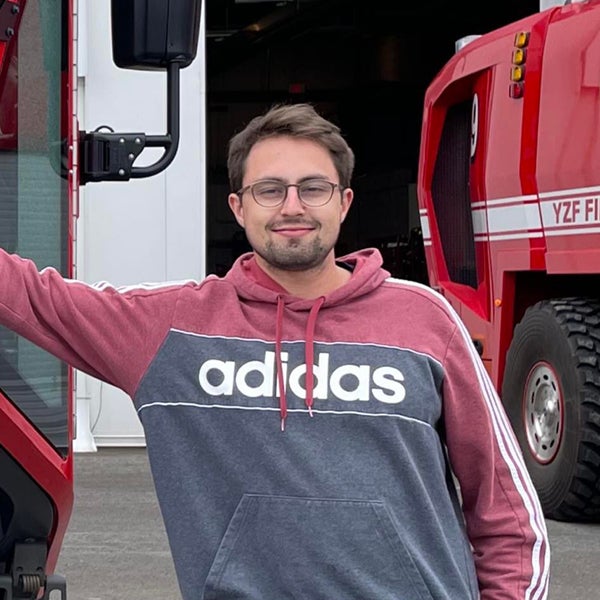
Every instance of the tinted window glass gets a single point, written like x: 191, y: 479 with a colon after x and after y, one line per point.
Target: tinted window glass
x: 33, y: 198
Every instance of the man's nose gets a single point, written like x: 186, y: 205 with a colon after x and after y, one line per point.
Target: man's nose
x: 292, y: 205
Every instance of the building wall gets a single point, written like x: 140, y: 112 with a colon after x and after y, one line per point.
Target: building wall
x: 144, y: 230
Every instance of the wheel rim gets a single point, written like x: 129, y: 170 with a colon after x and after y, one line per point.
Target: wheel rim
x: 543, y: 412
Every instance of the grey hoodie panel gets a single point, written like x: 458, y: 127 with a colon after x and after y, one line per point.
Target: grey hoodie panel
x: 202, y: 481
x: 366, y: 378
x: 319, y: 510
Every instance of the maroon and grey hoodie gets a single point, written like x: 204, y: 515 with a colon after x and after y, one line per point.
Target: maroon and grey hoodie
x: 331, y: 482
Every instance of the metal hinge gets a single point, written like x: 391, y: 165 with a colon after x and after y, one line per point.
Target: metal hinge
x: 27, y: 578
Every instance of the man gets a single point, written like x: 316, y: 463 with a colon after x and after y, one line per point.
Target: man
x: 306, y: 417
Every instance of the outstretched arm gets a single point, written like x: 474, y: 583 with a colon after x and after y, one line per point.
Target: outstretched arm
x: 110, y: 333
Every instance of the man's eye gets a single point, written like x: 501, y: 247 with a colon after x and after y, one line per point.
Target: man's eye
x: 315, y: 188
x: 269, y: 191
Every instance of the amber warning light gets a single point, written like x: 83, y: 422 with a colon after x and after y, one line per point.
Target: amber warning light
x: 517, y: 69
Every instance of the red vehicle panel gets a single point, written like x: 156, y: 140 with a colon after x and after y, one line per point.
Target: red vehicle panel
x: 509, y: 197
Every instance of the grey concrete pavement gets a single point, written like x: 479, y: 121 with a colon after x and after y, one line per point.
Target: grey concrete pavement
x: 116, y: 547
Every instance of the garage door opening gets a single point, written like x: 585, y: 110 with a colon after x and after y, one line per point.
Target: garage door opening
x: 364, y: 66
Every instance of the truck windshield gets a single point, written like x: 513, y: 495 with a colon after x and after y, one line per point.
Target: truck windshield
x: 34, y: 204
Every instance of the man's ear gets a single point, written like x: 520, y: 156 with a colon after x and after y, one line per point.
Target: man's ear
x: 347, y: 197
x: 235, y: 204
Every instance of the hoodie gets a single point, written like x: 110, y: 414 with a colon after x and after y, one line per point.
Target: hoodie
x: 349, y: 446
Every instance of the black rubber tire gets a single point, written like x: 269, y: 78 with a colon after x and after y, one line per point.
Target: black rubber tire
x: 558, y: 340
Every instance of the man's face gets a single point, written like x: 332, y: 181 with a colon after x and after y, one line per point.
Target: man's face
x: 291, y: 236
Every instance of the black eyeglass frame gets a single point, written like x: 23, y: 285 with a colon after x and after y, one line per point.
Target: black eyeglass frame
x: 287, y: 186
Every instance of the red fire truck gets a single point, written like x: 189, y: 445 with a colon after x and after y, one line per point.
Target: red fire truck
x: 509, y: 200
x: 43, y: 160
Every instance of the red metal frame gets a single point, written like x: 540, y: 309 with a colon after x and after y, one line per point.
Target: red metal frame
x: 53, y: 473
x: 534, y: 182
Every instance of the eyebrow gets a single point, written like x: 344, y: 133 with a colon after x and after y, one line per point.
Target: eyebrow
x: 319, y: 176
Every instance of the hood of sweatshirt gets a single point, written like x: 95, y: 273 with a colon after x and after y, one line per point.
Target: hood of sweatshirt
x: 253, y: 284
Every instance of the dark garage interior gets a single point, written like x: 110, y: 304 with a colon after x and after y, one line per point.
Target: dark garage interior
x: 363, y: 65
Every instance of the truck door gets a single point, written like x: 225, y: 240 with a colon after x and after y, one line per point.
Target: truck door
x: 36, y: 481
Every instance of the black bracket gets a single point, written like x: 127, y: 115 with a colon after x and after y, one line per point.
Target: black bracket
x: 109, y: 156
x: 27, y: 576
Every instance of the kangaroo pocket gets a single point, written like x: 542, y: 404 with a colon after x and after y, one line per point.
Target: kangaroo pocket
x: 287, y: 547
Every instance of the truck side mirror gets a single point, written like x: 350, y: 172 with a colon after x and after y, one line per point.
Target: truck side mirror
x: 149, y: 34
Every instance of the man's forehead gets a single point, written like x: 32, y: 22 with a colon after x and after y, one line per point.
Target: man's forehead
x: 286, y: 154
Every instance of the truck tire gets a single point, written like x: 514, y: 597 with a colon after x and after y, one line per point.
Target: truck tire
x: 551, y: 392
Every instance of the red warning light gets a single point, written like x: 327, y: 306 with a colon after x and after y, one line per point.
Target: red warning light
x: 516, y: 89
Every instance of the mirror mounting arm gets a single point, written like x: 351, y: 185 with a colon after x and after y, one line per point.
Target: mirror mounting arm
x: 170, y: 141
x: 109, y: 156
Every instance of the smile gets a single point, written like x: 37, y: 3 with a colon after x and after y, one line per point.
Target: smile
x: 292, y: 231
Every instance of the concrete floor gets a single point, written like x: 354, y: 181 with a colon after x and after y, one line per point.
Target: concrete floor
x: 116, y: 547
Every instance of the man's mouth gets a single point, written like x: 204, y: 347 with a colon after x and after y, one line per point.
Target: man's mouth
x: 292, y: 230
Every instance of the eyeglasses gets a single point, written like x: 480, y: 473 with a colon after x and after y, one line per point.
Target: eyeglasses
x: 312, y: 192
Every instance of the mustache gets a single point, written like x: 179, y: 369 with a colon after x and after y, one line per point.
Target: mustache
x: 293, y: 223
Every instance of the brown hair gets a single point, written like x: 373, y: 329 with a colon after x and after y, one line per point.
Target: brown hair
x: 296, y: 120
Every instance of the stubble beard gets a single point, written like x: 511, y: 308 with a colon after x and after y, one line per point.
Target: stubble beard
x: 294, y: 255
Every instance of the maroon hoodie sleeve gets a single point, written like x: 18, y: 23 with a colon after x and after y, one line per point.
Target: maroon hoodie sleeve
x: 503, y: 516
x: 110, y: 333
